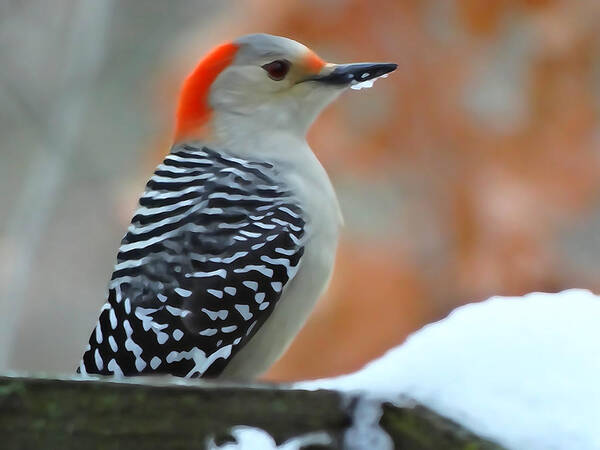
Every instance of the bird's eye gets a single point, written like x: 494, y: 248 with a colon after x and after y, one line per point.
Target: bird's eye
x: 277, y: 70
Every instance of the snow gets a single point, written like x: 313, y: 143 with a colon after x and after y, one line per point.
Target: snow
x: 250, y: 438
x: 364, y: 431
x: 522, y: 371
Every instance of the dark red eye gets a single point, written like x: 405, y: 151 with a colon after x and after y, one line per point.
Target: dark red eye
x: 277, y: 70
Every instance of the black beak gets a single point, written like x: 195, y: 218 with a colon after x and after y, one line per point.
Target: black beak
x: 346, y: 74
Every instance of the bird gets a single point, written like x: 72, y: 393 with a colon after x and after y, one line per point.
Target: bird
x: 235, y: 235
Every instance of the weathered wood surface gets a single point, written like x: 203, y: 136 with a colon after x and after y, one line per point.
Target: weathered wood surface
x: 50, y: 413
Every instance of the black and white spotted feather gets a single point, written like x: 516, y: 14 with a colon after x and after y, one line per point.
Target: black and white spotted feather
x: 204, y: 262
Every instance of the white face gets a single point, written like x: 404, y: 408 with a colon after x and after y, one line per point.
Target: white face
x: 268, y: 82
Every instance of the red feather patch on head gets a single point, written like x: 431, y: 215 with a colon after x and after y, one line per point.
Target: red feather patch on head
x: 313, y: 62
x: 193, y: 111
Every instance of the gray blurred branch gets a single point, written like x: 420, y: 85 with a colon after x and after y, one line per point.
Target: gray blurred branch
x: 85, y: 49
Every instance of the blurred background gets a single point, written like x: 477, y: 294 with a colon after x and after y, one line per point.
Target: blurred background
x: 473, y: 170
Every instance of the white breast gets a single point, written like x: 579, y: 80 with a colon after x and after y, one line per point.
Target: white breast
x: 304, y: 175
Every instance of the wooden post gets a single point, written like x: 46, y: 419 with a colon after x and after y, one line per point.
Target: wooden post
x: 150, y: 413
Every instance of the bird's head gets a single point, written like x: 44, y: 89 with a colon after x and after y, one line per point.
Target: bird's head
x: 264, y: 80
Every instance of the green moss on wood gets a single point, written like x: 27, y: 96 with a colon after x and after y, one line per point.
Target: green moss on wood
x: 419, y: 428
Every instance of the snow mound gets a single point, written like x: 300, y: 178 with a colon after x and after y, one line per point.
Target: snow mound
x: 523, y: 371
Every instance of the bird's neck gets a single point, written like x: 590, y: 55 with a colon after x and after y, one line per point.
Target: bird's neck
x: 286, y: 149
x: 254, y: 136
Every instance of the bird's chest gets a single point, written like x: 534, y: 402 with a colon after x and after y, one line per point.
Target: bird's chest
x: 300, y: 295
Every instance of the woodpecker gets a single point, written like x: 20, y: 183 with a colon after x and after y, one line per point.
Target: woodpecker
x: 236, y: 232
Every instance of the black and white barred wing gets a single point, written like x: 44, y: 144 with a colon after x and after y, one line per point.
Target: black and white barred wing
x: 204, y: 262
